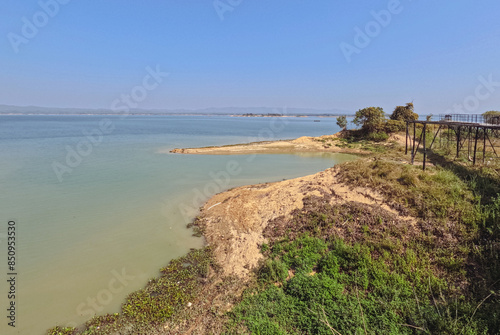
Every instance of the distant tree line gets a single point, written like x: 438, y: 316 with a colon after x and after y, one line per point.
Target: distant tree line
x: 268, y: 114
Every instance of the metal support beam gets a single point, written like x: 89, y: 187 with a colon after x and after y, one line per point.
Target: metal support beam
x: 463, y: 133
x: 425, y: 149
x: 484, y: 144
x: 475, y: 146
x: 416, y: 149
x: 413, y: 147
x: 492, y: 146
x: 437, y: 132
x: 406, y: 139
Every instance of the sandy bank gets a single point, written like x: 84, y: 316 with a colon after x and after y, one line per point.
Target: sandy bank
x: 302, y: 144
x: 234, y: 221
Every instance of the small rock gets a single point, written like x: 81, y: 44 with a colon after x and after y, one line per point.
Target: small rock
x: 189, y: 304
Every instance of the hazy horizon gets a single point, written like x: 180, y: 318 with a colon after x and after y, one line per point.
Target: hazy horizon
x: 196, y: 55
x: 209, y: 110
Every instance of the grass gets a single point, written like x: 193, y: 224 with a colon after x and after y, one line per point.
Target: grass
x: 356, y: 269
x: 348, y: 268
x: 176, y: 287
x: 61, y: 331
x: 350, y: 291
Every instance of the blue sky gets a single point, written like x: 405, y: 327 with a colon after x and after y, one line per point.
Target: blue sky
x: 253, y: 53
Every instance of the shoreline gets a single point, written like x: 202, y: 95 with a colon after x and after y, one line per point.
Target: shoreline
x: 378, y: 205
x: 233, y: 221
x: 321, y: 144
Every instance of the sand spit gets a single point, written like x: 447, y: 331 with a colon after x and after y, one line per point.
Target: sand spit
x: 234, y: 221
x: 301, y: 144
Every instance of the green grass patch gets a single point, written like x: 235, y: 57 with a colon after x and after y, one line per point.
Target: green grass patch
x: 356, y: 269
x: 351, y: 292
x: 177, y: 285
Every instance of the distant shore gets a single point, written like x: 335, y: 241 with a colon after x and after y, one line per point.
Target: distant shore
x: 220, y: 111
x: 169, y: 114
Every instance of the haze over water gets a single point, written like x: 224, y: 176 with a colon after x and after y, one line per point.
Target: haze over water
x: 100, y: 230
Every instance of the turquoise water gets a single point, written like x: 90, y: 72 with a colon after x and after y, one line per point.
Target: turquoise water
x: 99, y: 209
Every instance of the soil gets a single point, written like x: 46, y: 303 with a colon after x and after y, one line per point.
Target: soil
x: 234, y: 221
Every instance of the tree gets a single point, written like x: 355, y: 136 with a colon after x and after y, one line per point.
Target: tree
x: 371, y: 119
x: 404, y: 113
x: 491, y: 116
x: 342, y: 122
x: 393, y: 126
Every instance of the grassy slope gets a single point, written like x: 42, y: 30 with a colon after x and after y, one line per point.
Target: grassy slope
x: 353, y: 269
x: 350, y: 268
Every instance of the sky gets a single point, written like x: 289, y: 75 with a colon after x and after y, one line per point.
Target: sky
x: 442, y: 55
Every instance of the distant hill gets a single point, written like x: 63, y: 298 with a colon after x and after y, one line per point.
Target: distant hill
x: 8, y: 109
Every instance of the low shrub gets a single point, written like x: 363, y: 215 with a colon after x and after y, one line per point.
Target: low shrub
x: 61, y: 331
x: 353, y: 292
x: 377, y: 136
x: 273, y: 271
x: 393, y: 126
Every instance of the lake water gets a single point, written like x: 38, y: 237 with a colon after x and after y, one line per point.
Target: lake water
x: 99, y: 210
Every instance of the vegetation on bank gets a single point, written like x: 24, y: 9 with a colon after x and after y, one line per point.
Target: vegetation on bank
x: 144, y: 311
x: 430, y: 267
x: 353, y: 268
x: 374, y: 126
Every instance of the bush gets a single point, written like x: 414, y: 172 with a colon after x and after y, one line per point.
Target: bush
x: 273, y: 271
x: 302, y: 254
x: 316, y: 287
x: 377, y: 136
x: 393, y: 126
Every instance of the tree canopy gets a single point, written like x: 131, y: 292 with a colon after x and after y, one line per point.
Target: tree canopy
x: 404, y: 113
x: 342, y: 122
x: 370, y: 119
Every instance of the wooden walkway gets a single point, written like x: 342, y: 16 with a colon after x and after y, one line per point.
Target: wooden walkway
x: 466, y: 136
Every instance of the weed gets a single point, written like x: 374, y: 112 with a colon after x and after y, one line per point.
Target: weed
x: 61, y: 331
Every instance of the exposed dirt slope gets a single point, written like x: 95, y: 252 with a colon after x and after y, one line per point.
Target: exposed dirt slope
x: 234, y: 221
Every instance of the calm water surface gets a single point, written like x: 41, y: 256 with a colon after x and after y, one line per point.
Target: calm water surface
x: 99, y: 210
